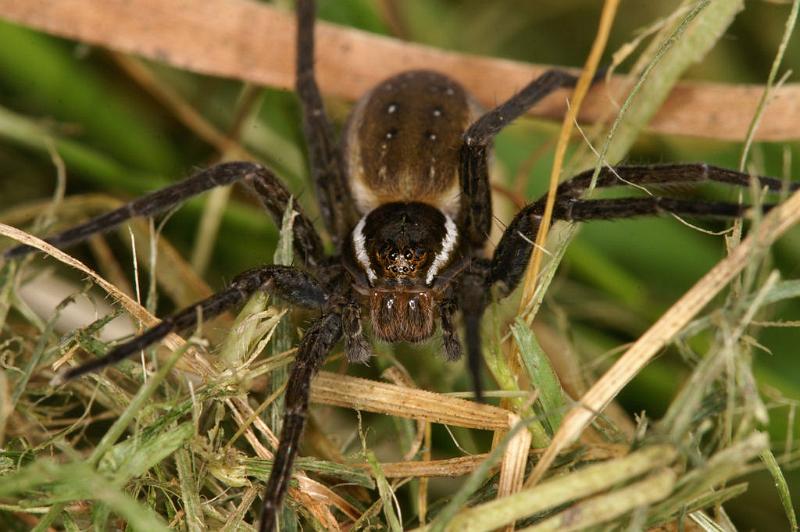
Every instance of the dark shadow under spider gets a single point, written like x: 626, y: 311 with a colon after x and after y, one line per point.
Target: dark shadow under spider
x: 340, y: 285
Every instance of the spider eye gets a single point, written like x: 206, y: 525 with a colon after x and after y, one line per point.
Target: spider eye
x: 409, y: 254
x: 393, y: 255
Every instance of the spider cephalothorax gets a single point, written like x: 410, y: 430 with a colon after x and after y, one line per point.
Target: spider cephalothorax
x: 401, y: 248
x: 407, y: 206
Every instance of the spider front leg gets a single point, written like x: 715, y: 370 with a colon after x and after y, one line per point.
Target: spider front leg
x: 451, y: 344
x: 476, y: 208
x: 272, y: 193
x: 293, y: 285
x: 327, y: 166
x: 514, y: 250
x: 666, y: 174
x: 473, y: 298
x: 318, y: 341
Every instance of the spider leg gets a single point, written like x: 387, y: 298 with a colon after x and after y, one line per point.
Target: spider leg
x: 293, y: 285
x: 268, y: 188
x: 314, y: 347
x: 450, y: 341
x: 666, y: 174
x: 473, y: 298
x: 327, y: 167
x: 476, y: 208
x: 513, y: 252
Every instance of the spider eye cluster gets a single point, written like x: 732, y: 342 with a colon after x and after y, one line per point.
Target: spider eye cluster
x: 401, y: 262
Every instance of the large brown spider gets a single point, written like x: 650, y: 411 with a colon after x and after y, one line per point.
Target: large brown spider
x: 405, y: 200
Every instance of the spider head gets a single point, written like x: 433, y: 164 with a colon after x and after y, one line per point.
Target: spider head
x: 401, y: 248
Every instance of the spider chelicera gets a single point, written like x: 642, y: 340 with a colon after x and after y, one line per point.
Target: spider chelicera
x: 406, y: 202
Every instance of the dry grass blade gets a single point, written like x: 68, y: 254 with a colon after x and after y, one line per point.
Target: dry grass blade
x: 582, y: 87
x: 173, y: 341
x: 557, y: 491
x: 604, y: 508
x: 512, y: 470
x: 167, y: 32
x: 777, y: 222
x: 390, y: 399
x: 383, y: 398
x: 175, y: 278
x: 451, y: 467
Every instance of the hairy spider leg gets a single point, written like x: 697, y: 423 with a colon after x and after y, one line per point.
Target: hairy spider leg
x: 666, y: 174
x: 339, y: 215
x: 318, y: 341
x: 325, y: 158
x: 271, y: 192
x: 450, y: 341
x: 475, y: 216
x: 356, y: 347
x: 476, y: 207
x: 513, y: 252
x: 295, y: 286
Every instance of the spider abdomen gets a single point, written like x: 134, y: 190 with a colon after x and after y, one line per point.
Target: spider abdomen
x: 402, y: 142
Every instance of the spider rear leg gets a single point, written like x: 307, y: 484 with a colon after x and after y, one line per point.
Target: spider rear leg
x: 327, y: 167
x: 476, y: 209
x: 666, y: 174
x: 514, y: 250
x: 293, y: 285
x: 268, y: 188
x: 318, y: 341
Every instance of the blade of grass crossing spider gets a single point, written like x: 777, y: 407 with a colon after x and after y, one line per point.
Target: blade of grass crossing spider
x: 540, y: 373
x: 386, y: 493
x: 782, y: 486
x: 246, y: 331
x: 248, y: 328
x: 282, y: 341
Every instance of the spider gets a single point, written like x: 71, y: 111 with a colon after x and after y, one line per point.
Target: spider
x: 406, y: 202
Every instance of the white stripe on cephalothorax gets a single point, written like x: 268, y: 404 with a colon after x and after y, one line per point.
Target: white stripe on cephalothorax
x: 361, y: 251
x: 449, y: 242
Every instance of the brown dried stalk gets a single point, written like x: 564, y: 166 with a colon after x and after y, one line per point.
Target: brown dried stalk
x: 253, y: 42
